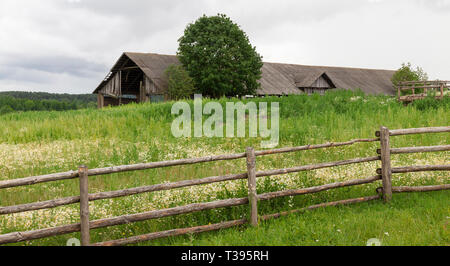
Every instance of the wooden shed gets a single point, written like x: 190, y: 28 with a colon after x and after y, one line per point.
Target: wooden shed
x: 139, y: 77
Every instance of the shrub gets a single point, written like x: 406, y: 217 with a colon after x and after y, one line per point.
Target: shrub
x: 6, y: 109
x: 181, y: 85
x: 407, y: 73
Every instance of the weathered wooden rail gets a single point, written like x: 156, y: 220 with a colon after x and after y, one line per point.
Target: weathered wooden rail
x: 422, y: 87
x: 384, y: 173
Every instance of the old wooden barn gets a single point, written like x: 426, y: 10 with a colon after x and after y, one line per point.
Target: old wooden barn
x: 139, y: 77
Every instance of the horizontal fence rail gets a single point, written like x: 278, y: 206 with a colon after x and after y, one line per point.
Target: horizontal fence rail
x: 315, y: 166
x: 223, y: 225
x: 420, y: 168
x: 417, y: 168
x: 424, y: 82
x: 409, y: 131
x: 420, y: 149
x: 173, y: 232
x: 417, y: 149
x: 384, y: 174
x: 420, y: 188
x: 400, y: 189
x: 422, y: 87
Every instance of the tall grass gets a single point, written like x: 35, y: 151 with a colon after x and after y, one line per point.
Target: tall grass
x: 33, y: 143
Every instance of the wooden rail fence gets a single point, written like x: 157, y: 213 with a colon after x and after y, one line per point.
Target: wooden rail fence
x: 384, y: 173
x: 422, y: 87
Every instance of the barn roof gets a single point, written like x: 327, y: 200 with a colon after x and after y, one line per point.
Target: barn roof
x: 277, y: 78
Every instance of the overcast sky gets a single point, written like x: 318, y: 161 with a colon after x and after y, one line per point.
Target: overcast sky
x: 70, y: 45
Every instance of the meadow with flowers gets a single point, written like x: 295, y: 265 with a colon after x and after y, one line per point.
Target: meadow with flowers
x: 36, y: 143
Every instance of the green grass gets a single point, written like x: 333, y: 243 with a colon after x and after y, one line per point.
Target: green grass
x: 411, y: 219
x: 34, y: 143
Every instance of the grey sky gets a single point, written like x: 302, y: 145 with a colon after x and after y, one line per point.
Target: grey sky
x: 70, y: 45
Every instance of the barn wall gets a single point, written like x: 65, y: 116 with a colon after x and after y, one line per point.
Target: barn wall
x: 310, y: 91
x: 155, y: 94
x: 142, y: 93
x: 100, y: 100
x: 150, y: 86
x: 113, y: 86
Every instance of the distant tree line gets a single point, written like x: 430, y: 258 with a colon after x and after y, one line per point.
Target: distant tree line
x: 41, y: 101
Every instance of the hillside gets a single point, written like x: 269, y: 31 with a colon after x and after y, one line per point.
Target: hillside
x: 35, y: 143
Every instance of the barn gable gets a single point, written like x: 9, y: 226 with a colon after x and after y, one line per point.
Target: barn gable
x: 315, y: 81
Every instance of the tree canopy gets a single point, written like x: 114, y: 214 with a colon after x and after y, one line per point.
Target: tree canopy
x: 218, y: 56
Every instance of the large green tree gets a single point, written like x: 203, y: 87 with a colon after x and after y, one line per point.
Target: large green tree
x: 219, y: 57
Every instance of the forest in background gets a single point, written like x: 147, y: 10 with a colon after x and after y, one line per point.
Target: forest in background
x: 13, y: 101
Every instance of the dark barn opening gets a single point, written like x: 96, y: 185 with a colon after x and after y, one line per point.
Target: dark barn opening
x: 123, y: 85
x: 134, y: 78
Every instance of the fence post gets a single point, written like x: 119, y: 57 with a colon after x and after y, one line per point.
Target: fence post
x: 252, y: 197
x: 84, y: 205
x: 386, y: 172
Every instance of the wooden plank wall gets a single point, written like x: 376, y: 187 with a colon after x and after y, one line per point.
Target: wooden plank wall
x: 113, y: 86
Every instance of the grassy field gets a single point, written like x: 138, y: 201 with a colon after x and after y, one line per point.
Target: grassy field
x: 35, y: 143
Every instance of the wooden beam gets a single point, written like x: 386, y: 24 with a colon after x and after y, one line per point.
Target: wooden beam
x: 251, y: 176
x: 420, y: 188
x: 418, y: 149
x: 312, y: 147
x: 84, y: 205
x: 398, y: 132
x: 386, y: 164
x: 173, y: 232
x: 422, y: 168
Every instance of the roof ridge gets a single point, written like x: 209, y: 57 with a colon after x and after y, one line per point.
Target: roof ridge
x: 355, y: 68
x: 279, y: 63
x: 148, y: 53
